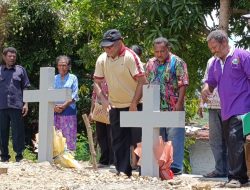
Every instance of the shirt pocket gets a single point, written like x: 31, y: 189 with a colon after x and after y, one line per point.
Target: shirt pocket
x: 16, y: 81
x: 236, y: 74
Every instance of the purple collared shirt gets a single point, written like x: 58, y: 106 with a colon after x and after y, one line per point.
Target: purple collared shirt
x: 12, y: 83
x: 233, y: 81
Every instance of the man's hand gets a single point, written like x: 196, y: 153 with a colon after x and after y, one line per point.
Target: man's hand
x: 133, y: 107
x: 90, y: 117
x: 205, y: 93
x: 25, y: 109
x: 178, y: 107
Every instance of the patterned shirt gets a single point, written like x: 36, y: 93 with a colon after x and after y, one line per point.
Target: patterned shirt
x: 170, y: 76
x: 70, y: 81
x: 214, y: 99
x: 104, y: 88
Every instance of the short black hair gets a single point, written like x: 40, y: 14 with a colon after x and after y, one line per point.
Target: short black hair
x: 137, y: 49
x: 9, y: 49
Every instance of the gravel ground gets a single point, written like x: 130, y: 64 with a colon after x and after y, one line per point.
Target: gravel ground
x: 39, y: 176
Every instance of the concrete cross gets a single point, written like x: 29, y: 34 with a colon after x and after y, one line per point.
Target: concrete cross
x: 150, y: 119
x: 46, y: 97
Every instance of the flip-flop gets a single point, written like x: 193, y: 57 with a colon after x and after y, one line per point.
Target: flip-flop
x: 233, y: 184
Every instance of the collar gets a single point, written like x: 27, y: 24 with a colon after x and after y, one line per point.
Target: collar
x: 167, y: 60
x: 65, y: 77
x: 5, y: 68
x: 230, y: 53
x: 122, y: 51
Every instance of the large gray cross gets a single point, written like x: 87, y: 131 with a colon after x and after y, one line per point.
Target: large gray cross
x: 150, y: 120
x: 46, y: 97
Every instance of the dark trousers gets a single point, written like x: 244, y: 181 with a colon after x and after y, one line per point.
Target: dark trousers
x: 233, y: 133
x: 11, y: 117
x: 103, y: 133
x: 121, y: 140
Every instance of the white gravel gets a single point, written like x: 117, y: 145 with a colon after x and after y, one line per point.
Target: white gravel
x: 27, y: 175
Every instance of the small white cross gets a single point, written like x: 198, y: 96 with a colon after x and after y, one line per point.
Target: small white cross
x: 150, y: 119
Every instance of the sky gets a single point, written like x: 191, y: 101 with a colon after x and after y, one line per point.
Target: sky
x: 211, y: 23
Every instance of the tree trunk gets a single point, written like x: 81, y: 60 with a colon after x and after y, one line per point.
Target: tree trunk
x: 3, y: 28
x: 225, y: 13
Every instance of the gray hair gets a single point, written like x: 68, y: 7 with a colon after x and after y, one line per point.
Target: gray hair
x: 9, y: 49
x: 161, y: 40
x: 218, y: 35
x: 64, y: 57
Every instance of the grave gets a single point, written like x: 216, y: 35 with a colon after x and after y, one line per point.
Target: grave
x: 46, y: 96
x: 150, y: 119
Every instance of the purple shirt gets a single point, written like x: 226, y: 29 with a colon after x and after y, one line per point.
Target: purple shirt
x: 12, y: 83
x: 233, y: 82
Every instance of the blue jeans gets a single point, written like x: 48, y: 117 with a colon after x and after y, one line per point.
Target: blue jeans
x: 177, y: 136
x: 217, y: 141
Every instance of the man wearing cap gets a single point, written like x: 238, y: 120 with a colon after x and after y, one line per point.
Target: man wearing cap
x: 124, y: 75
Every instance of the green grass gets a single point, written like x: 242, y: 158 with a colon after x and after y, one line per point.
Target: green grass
x: 27, y: 154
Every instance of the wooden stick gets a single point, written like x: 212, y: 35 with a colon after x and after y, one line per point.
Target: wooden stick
x: 90, y: 139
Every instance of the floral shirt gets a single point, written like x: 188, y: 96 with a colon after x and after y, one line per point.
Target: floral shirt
x: 170, y: 76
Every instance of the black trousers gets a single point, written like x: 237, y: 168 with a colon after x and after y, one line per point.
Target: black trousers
x: 122, y: 139
x: 11, y: 118
x: 103, y: 133
x: 233, y: 133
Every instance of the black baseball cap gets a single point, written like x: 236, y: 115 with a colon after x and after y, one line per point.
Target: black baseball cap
x: 110, y: 37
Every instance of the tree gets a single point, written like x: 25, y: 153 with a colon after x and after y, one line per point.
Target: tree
x: 225, y: 13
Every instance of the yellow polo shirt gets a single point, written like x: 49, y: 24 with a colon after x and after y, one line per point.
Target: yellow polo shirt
x: 120, y: 74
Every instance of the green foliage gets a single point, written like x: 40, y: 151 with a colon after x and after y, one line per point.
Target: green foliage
x: 191, y: 107
x: 186, y: 162
x: 29, y: 155
x: 82, y: 148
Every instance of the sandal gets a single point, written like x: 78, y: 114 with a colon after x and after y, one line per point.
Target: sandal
x: 233, y: 183
x: 213, y: 174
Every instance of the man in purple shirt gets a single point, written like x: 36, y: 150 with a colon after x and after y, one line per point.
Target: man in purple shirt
x: 230, y: 73
x: 13, y: 80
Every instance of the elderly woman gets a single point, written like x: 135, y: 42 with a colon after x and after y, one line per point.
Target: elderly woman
x: 65, y: 112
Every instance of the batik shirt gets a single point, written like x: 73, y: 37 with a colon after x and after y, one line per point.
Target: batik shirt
x: 170, y: 75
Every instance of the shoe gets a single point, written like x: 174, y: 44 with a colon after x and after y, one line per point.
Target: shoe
x: 114, y: 171
x: 102, y: 165
x: 4, y: 160
x: 233, y: 183
x: 214, y: 174
x: 19, y: 158
x: 112, y: 166
x: 176, y: 171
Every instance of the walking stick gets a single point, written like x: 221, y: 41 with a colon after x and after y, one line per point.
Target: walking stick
x: 90, y: 139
